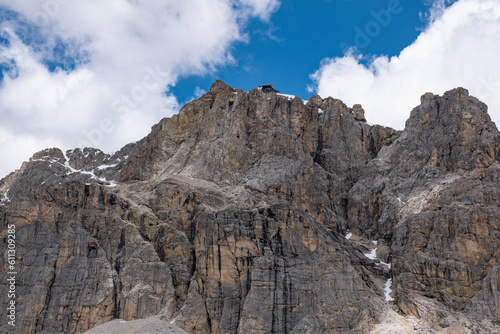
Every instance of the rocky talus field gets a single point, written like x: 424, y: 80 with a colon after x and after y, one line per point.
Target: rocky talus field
x: 254, y: 212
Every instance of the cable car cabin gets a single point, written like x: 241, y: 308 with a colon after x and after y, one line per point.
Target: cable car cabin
x: 269, y: 89
x: 93, y: 245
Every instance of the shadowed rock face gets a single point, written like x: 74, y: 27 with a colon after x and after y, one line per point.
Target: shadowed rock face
x: 231, y: 217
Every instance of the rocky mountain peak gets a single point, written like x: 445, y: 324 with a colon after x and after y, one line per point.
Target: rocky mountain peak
x: 260, y: 212
x: 233, y: 130
x: 453, y: 132
x: 219, y: 85
x: 454, y: 106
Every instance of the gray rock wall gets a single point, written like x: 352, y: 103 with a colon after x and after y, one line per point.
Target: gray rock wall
x: 258, y: 213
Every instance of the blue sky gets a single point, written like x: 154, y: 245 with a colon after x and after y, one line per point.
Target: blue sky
x: 92, y: 73
x: 286, y: 50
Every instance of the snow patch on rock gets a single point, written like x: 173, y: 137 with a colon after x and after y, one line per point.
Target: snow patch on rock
x: 388, y: 290
x: 288, y: 96
x: 5, y: 198
x: 373, y: 253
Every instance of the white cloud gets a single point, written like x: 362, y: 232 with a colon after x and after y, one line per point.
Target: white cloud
x: 136, y: 50
x: 198, y: 92
x: 27, y: 142
x: 460, y: 47
x: 262, y: 8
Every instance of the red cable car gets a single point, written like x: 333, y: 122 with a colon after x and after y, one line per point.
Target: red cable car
x: 93, y: 245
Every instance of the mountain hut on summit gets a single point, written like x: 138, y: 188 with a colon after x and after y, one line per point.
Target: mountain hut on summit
x: 269, y: 89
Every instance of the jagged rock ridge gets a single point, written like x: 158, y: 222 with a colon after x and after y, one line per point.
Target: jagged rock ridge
x: 262, y: 213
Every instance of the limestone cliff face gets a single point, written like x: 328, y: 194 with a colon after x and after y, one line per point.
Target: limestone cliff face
x: 434, y: 198
x: 254, y: 212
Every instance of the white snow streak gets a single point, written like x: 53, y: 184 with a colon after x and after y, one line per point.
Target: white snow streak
x: 372, y: 255
x: 112, y: 184
x: 388, y: 290
x: 73, y: 170
x: 106, y: 166
x: 288, y: 96
x: 387, y: 264
x: 5, y: 198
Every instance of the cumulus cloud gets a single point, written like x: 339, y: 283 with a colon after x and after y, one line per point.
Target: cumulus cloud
x: 459, y: 47
x: 262, y: 8
x: 97, y: 73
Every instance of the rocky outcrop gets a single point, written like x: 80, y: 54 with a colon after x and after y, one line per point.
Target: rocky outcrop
x: 63, y: 285
x: 432, y: 197
x: 256, y: 212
